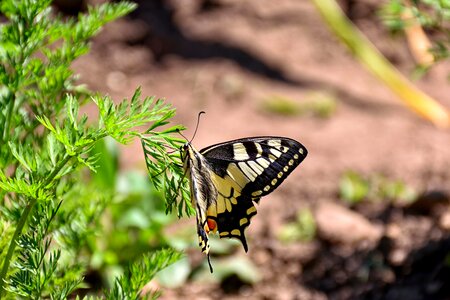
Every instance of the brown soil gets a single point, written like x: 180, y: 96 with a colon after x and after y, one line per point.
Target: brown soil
x: 225, y: 57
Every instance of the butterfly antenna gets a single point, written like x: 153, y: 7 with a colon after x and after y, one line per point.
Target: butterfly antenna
x: 179, y: 132
x: 196, y: 126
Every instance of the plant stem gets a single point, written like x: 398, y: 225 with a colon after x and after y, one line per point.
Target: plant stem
x: 23, y: 219
x: 12, y: 100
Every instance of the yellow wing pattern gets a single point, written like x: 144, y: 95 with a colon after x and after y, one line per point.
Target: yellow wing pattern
x: 243, y: 171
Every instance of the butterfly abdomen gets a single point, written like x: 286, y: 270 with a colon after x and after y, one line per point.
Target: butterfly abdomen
x: 203, y: 191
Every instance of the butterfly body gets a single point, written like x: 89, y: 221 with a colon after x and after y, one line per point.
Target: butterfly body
x: 203, y: 191
x: 227, y: 179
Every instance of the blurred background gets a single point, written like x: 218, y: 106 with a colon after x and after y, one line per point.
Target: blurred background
x: 366, y: 215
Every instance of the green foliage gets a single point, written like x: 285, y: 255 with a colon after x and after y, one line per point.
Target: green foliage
x: 354, y: 188
x: 63, y: 209
x: 316, y: 104
x: 224, y: 266
x: 241, y: 267
x: 129, y: 285
x: 432, y: 15
x: 303, y: 229
x: 176, y: 274
x: 281, y: 106
x: 169, y: 175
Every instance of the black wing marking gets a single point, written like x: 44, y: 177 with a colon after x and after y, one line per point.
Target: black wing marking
x: 232, y: 224
x: 292, y: 153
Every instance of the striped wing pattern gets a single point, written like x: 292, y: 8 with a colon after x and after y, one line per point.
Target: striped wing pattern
x: 243, y: 171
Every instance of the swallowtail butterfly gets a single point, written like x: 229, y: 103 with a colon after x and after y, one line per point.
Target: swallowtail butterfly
x: 227, y: 179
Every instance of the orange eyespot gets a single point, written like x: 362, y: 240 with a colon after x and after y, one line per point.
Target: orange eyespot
x: 212, y: 225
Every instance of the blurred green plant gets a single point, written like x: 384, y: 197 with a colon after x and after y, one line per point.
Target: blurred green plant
x: 129, y: 285
x: 65, y: 210
x: 363, y: 50
x: 180, y: 272
x: 241, y: 267
x: 134, y: 219
x: 176, y: 274
x: 354, y: 188
x: 433, y: 16
x: 316, y: 104
x: 303, y: 229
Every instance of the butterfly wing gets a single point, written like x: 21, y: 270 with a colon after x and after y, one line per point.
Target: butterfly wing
x: 243, y: 171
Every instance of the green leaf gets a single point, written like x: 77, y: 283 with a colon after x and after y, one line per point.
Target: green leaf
x: 176, y: 274
x: 26, y: 158
x: 134, y: 218
x: 240, y: 266
x: 107, y: 164
x: 130, y: 284
x: 302, y: 230
x: 353, y: 188
x: 53, y: 149
x: 166, y: 172
x: 18, y: 186
x: 316, y: 103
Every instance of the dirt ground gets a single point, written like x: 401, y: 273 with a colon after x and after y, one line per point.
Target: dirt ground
x: 226, y: 57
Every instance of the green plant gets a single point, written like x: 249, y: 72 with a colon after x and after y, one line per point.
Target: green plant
x: 318, y: 104
x: 129, y: 285
x: 363, y: 50
x: 354, y: 188
x: 433, y: 16
x: 56, y: 212
x: 303, y: 229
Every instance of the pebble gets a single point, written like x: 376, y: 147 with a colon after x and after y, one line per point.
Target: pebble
x: 338, y: 224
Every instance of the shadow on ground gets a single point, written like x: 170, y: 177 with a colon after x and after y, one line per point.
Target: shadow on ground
x: 345, y: 273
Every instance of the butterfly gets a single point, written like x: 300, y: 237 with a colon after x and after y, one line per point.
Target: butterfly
x: 227, y: 179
